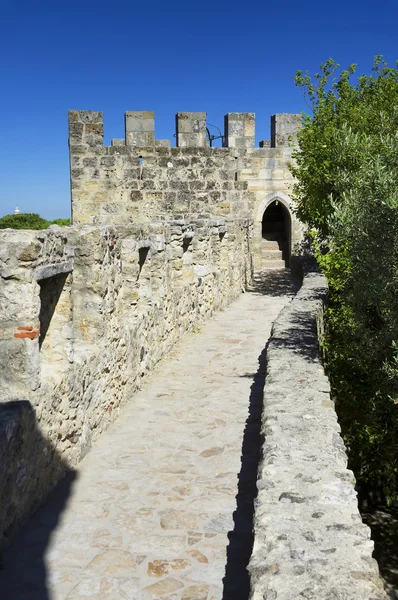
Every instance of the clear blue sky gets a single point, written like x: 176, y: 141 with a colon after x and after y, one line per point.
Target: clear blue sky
x: 216, y: 56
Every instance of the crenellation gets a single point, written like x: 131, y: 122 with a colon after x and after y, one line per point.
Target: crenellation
x: 163, y: 237
x: 284, y: 128
x: 239, y: 130
x: 86, y: 128
x: 140, y: 128
x: 191, y: 129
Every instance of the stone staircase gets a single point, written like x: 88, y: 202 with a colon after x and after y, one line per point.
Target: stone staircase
x: 272, y: 254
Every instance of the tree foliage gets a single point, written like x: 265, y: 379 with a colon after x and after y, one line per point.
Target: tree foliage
x: 29, y: 221
x: 370, y: 107
x: 347, y: 192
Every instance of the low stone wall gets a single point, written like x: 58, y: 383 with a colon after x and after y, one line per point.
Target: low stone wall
x: 310, y: 541
x: 29, y: 467
x: 85, y: 315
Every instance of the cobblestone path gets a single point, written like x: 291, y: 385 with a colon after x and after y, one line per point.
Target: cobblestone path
x: 154, y: 510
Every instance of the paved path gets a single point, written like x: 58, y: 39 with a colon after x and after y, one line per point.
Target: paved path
x: 154, y: 511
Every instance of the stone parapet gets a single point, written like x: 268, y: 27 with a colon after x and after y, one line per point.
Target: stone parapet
x: 29, y: 466
x: 310, y: 541
x: 122, y: 185
x: 191, y: 129
x: 284, y: 128
x: 140, y: 128
x: 77, y: 345
x: 239, y: 130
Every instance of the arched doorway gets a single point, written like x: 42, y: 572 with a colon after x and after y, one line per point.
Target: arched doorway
x: 276, y: 233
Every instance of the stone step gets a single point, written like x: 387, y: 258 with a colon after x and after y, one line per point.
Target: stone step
x: 271, y: 254
x: 273, y: 264
x: 270, y: 244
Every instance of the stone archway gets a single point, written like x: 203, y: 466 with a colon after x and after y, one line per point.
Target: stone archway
x: 276, y: 232
x: 273, y: 231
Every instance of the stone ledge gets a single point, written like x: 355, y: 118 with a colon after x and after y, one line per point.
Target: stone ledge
x: 310, y: 541
x: 53, y: 269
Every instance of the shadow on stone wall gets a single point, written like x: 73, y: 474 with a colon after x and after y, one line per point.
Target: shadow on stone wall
x: 383, y: 522
x: 50, y: 293
x: 30, y: 467
x: 302, y: 331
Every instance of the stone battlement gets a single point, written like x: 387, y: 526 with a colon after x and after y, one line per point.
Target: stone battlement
x: 139, y: 179
x: 86, y: 126
x: 162, y: 238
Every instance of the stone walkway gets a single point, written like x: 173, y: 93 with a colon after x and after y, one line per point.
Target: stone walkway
x: 154, y: 509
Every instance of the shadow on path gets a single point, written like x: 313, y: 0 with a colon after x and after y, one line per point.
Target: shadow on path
x: 236, y: 581
x: 275, y: 282
x: 24, y: 574
x: 29, y: 467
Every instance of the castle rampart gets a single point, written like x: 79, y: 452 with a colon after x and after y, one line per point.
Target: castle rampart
x: 141, y: 179
x: 161, y: 238
x: 86, y: 313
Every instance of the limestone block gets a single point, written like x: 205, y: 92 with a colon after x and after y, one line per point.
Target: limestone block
x: 140, y: 128
x: 191, y: 129
x: 162, y: 143
x: 284, y: 128
x: 239, y: 130
x: 52, y: 269
x: 85, y: 127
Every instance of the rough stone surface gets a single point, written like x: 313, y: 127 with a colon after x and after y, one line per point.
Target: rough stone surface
x: 52, y: 270
x: 78, y: 345
x: 309, y: 539
x: 163, y: 238
x: 239, y: 130
x: 284, y: 128
x: 191, y: 129
x: 140, y: 129
x: 152, y: 511
x: 131, y: 184
x: 24, y: 465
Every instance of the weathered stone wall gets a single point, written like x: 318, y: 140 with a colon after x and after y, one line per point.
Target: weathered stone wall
x: 141, y: 179
x: 138, y: 184
x: 87, y: 312
x: 29, y: 466
x: 310, y: 541
x: 24, y: 258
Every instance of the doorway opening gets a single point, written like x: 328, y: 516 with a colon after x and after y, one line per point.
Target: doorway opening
x: 276, y: 230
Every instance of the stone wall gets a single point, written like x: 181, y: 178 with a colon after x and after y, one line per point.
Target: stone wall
x: 24, y: 258
x: 29, y: 466
x: 146, y: 183
x: 140, y: 179
x: 85, y: 315
x: 310, y: 541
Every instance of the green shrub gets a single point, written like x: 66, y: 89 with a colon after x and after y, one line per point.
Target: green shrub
x: 29, y: 221
x: 347, y: 192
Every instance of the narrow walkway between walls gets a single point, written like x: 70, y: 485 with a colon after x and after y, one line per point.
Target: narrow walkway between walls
x: 162, y: 506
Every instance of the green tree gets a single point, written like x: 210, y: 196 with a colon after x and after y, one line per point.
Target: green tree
x: 347, y: 181
x: 369, y: 106
x: 61, y: 222
x: 29, y: 221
